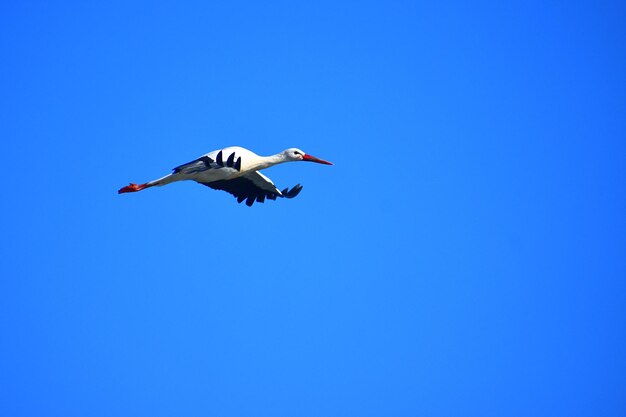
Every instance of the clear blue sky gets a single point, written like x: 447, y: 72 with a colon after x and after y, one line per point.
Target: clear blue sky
x: 465, y: 256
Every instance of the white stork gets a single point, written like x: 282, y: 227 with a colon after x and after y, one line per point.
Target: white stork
x: 236, y: 171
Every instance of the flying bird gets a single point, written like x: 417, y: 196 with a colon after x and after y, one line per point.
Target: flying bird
x: 236, y: 171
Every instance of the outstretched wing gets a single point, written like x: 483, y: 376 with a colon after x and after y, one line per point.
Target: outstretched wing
x: 253, y: 186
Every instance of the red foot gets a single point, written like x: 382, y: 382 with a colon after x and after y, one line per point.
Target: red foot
x: 131, y: 188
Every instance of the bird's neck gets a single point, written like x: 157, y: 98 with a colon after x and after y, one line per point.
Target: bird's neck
x: 269, y: 161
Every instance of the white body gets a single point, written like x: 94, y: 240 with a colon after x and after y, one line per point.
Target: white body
x: 250, y: 162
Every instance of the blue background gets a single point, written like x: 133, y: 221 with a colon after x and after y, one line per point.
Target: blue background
x: 466, y: 255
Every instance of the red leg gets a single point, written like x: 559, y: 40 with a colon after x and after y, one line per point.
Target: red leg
x: 131, y: 188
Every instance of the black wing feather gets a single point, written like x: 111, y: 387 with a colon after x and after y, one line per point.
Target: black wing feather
x: 244, y: 189
x: 231, y: 160
x: 197, y: 165
x: 293, y: 192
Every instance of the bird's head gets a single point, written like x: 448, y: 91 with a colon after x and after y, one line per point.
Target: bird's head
x: 295, y: 154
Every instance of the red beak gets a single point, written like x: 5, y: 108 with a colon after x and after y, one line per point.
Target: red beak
x: 311, y: 158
